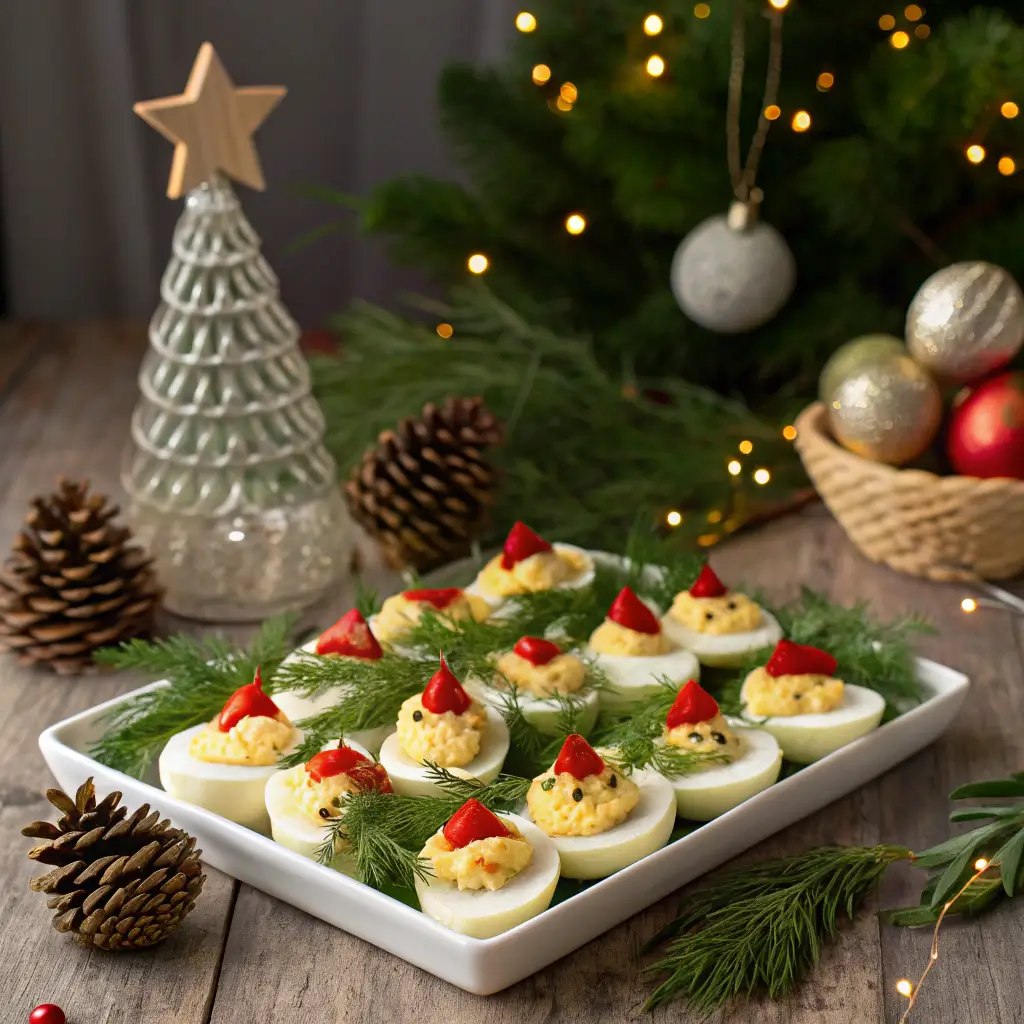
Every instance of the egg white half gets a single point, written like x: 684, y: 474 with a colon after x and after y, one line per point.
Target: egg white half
x: 726, y: 650
x: 294, y: 830
x: 483, y: 914
x: 234, y: 791
x: 410, y: 778
x: 584, y: 579
x: 542, y: 713
x: 807, y: 738
x: 712, y: 790
x: 634, y: 679
x: 645, y: 830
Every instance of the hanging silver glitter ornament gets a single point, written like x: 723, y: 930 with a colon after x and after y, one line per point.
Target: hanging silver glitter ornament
x: 733, y: 273
x: 888, y: 409
x: 966, y: 321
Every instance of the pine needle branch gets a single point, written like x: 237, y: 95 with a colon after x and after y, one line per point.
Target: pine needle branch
x: 202, y: 674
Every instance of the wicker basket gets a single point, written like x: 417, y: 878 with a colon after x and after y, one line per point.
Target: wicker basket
x: 940, y: 527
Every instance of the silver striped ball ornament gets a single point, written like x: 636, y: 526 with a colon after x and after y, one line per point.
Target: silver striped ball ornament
x: 966, y: 320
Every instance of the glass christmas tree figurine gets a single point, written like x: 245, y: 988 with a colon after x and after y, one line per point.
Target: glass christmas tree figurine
x: 232, y: 489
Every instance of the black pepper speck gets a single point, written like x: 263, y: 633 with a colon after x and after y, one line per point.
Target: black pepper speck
x: 709, y: 616
x: 797, y: 696
x: 417, y: 716
x: 613, y: 782
x: 324, y: 813
x: 577, y: 794
x: 718, y: 738
x: 695, y: 737
x: 731, y: 606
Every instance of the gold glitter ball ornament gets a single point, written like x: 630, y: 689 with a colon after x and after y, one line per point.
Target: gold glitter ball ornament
x: 852, y: 356
x: 966, y: 320
x: 888, y: 410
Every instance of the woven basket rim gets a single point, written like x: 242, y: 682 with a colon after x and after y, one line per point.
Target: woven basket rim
x: 812, y: 424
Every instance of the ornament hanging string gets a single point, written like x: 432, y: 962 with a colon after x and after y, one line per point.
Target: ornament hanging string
x: 743, y: 176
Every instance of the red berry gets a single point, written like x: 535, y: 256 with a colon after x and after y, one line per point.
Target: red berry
x: 708, y: 584
x: 439, y: 598
x: 445, y: 693
x: 790, y: 659
x: 247, y: 701
x: 473, y: 821
x: 47, y: 1013
x: 329, y: 763
x: 629, y: 611
x: 692, y: 704
x: 536, y: 650
x: 520, y: 543
x: 350, y: 637
x: 578, y: 758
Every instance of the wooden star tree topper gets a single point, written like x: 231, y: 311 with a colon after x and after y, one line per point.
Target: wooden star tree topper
x: 211, y: 125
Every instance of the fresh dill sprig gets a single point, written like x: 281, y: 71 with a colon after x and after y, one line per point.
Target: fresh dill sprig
x: 368, y: 601
x: 505, y: 793
x: 758, y: 929
x: 202, y: 675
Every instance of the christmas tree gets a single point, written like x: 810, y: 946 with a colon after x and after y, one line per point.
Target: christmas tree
x: 603, y: 140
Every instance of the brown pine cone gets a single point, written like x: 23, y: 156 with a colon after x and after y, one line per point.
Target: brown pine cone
x: 119, y: 881
x: 425, y: 489
x: 73, y: 582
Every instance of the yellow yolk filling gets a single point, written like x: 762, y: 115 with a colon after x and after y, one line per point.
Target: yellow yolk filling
x: 716, y: 616
x: 611, y: 638
x: 711, y: 737
x: 543, y: 571
x: 398, y: 616
x: 252, y: 741
x: 600, y: 806
x: 311, y: 797
x: 481, y: 864
x: 562, y: 674
x: 448, y: 739
x: 790, y: 695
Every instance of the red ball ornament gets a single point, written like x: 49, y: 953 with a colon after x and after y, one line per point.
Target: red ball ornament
x: 47, y: 1013
x: 986, y: 429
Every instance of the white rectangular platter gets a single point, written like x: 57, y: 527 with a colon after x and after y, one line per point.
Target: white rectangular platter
x: 485, y: 966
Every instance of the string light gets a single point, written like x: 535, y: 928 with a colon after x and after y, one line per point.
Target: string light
x: 702, y: 11
x: 913, y: 13
x: 980, y: 864
x: 674, y: 518
x: 922, y: 31
x: 968, y: 605
x: 772, y: 112
x: 705, y: 540
x: 563, y: 104
x: 789, y: 433
x: 478, y: 263
x: 899, y: 40
x: 825, y: 81
x: 904, y: 987
x: 714, y: 516
x: 801, y: 121
x: 1006, y: 165
x: 975, y: 153
x: 746, y: 447
x: 886, y: 22
x: 734, y: 467
x: 525, y: 21
x: 575, y: 223
x: 1009, y: 109
x: 541, y: 73
x: 653, y: 24
x: 655, y: 66
x: 445, y: 330
x: 779, y: 5
x: 568, y: 92
x: 761, y: 476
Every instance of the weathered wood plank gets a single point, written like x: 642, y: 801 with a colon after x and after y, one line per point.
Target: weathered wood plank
x: 69, y: 415
x: 20, y: 343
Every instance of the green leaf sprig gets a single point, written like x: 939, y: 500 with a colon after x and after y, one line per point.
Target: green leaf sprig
x: 202, y: 675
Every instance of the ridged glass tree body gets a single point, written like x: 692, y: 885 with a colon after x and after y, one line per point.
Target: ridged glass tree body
x: 232, y: 489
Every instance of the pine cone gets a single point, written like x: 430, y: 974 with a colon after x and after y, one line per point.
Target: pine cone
x: 425, y: 489
x: 73, y: 582
x: 120, y: 881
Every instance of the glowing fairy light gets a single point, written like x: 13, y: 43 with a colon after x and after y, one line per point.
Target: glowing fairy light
x: 575, y: 223
x: 746, y: 447
x: 922, y: 31
x: 444, y: 330
x: 968, y: 605
x: 541, y: 73
x: 525, y: 21
x: 655, y: 66
x: 789, y: 433
x: 674, y: 518
x: 980, y: 864
x: 478, y: 263
x: 904, y: 987
x: 653, y: 24
x: 779, y: 5
x: 734, y: 467
x: 825, y: 81
x: 975, y: 153
x: 568, y: 92
x: 1009, y: 109
x: 702, y: 11
x: 886, y: 22
x: 801, y: 121
x: 761, y: 476
x: 913, y: 13
x: 899, y: 40
x: 772, y: 112
x: 1007, y: 165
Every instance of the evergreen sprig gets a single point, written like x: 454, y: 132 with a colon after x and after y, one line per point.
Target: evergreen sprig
x: 760, y: 928
x: 201, y: 675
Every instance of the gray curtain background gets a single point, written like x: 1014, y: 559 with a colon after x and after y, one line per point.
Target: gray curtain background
x: 84, y: 223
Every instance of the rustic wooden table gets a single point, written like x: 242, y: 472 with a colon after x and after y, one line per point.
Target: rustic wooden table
x: 65, y: 399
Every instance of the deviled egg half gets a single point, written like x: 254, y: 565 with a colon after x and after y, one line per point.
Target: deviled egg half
x: 224, y: 765
x: 804, y: 707
x: 599, y: 819
x: 349, y: 637
x: 751, y: 757
x: 634, y: 653
x: 720, y: 626
x: 401, y: 612
x: 528, y: 563
x: 445, y: 726
x: 487, y: 873
x: 300, y: 801
x: 545, y: 677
